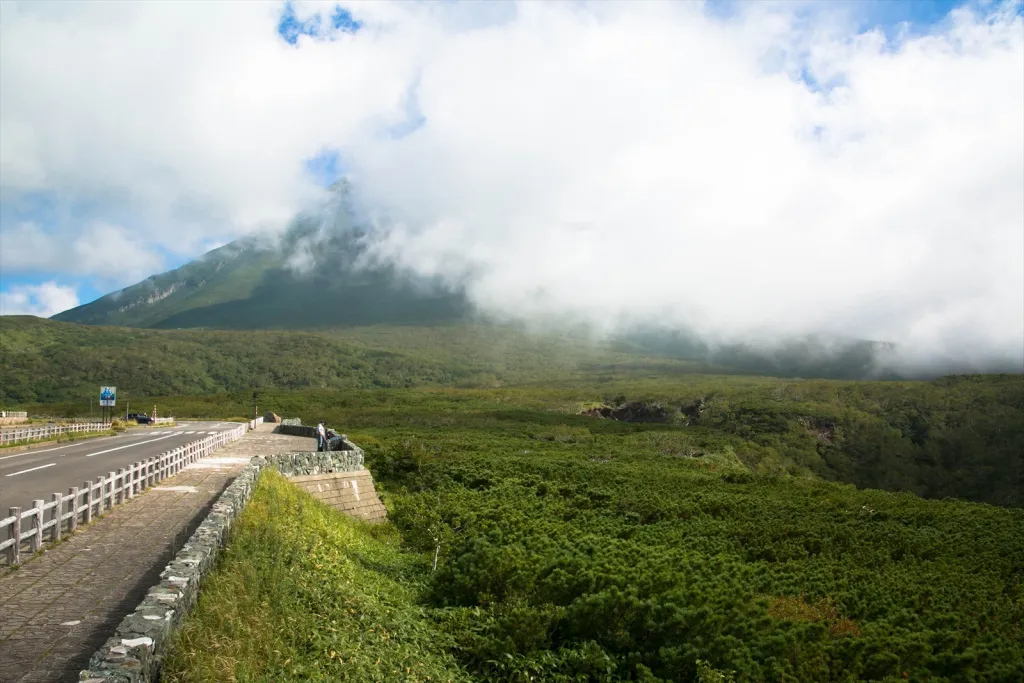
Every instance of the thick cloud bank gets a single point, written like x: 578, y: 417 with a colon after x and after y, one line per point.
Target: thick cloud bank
x: 768, y: 173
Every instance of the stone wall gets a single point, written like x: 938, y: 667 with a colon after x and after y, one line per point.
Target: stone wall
x: 293, y: 464
x: 295, y: 430
x: 135, y: 653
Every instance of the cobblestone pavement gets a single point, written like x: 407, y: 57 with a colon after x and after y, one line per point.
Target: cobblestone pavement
x: 58, y: 608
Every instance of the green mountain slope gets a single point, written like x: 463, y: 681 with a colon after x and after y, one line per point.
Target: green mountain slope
x: 249, y: 285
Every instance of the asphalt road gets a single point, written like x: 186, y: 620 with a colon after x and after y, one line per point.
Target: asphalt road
x: 48, y: 469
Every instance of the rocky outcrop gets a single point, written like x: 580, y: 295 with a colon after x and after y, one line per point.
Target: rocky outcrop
x: 633, y: 411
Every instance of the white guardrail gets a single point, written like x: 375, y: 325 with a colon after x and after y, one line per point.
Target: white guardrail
x: 49, y: 431
x: 81, y: 504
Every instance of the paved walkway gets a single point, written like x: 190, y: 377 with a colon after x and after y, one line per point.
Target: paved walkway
x: 57, y: 609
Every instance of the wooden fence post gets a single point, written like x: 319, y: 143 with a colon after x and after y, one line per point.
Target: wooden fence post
x: 120, y: 489
x: 58, y: 512
x: 73, y: 492
x: 15, y: 553
x: 37, y: 537
x: 109, y: 497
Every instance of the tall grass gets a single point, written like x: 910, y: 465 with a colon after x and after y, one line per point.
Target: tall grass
x: 305, y: 593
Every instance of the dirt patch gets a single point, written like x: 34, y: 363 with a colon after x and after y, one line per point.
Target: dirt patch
x: 796, y: 608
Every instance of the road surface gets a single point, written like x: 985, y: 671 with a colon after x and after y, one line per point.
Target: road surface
x: 47, y: 469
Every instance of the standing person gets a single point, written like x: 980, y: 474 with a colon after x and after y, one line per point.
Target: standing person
x: 321, y: 437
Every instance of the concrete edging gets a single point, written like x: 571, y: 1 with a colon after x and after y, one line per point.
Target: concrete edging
x: 135, y: 653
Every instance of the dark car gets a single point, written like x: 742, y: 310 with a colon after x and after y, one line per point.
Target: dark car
x: 140, y: 418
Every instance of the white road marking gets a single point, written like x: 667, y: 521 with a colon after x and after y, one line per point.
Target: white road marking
x: 71, y: 623
x: 33, y: 469
x: 47, y: 450
x: 190, y: 432
x: 131, y: 445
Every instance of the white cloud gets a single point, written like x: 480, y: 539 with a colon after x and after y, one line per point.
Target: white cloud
x: 607, y: 161
x: 41, y: 300
x: 108, y: 254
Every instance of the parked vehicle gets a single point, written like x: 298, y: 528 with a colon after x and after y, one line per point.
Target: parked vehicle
x: 140, y: 418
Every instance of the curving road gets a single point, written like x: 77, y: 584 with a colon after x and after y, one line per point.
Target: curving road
x: 47, y: 469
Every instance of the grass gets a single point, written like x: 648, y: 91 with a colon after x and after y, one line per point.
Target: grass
x: 304, y: 593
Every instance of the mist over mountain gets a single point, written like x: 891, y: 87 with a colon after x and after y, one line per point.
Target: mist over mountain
x: 313, y: 275
x: 326, y: 270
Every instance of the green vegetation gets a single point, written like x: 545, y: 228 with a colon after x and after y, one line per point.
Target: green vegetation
x: 46, y: 361
x: 954, y: 437
x: 571, y: 548
x: 303, y: 593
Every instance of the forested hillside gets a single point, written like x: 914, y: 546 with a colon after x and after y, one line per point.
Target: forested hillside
x: 46, y: 361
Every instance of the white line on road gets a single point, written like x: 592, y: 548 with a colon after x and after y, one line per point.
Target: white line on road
x: 190, y: 432
x: 47, y: 450
x: 131, y: 445
x: 32, y: 469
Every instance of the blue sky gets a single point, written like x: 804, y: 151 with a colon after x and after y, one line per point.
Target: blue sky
x: 53, y: 214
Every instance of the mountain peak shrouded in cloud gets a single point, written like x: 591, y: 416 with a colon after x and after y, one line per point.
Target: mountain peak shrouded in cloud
x: 753, y: 172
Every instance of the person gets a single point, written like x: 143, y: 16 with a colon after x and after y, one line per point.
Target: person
x: 321, y: 437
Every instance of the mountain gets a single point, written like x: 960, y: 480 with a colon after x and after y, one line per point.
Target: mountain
x: 305, y: 278
x: 316, y: 276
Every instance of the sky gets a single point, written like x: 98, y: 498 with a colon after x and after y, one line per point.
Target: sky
x: 752, y: 170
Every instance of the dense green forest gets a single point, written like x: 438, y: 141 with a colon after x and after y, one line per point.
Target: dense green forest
x: 46, y: 361
x: 575, y: 548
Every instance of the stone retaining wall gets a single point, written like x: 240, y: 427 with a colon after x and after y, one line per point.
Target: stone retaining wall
x: 135, y: 653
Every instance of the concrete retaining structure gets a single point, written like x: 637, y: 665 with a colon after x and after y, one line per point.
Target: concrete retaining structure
x: 135, y: 653
x: 352, y: 493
